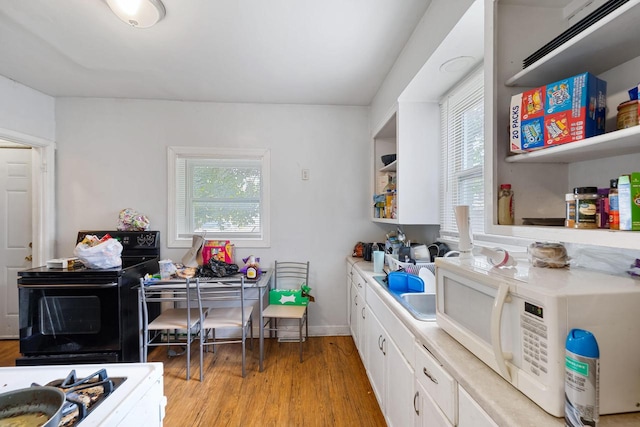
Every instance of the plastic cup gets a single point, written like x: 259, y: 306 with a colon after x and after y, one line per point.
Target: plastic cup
x: 378, y: 261
x: 166, y: 269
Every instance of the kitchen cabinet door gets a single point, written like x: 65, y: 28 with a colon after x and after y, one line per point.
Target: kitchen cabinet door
x: 376, y: 344
x: 399, y: 387
x: 427, y: 412
x: 470, y: 414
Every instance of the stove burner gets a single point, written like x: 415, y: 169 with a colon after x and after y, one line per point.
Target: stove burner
x: 84, y: 394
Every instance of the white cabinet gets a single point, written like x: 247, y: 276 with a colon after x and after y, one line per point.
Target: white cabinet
x: 389, y: 369
x: 412, y: 132
x: 436, y: 384
x: 427, y: 412
x: 357, y: 308
x: 470, y: 414
x: 608, y: 49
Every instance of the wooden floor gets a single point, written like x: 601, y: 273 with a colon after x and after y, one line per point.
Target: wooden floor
x: 330, y: 388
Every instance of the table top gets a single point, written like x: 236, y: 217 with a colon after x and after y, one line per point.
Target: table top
x: 209, y: 282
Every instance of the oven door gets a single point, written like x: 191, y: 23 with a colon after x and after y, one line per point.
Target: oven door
x: 69, y: 319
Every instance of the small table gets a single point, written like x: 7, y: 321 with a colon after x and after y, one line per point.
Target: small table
x: 262, y: 284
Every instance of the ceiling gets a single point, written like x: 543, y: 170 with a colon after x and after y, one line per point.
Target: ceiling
x: 330, y: 52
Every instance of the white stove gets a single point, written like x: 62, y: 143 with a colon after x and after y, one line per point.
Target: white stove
x: 138, y: 400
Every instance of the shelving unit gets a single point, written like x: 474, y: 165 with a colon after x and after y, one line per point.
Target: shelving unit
x: 411, y: 131
x: 541, y: 178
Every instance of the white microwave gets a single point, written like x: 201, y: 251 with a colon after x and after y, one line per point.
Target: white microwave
x: 516, y: 320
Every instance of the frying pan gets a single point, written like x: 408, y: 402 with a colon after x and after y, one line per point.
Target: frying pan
x: 33, y: 400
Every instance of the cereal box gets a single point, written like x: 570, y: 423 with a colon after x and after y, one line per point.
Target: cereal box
x: 222, y: 250
x: 564, y: 111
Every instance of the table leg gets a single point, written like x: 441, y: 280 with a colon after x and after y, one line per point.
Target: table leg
x: 261, y: 294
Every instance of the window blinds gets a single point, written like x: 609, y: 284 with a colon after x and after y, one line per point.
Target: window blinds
x: 462, y: 153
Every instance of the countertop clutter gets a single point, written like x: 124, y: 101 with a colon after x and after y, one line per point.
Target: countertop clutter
x: 499, y: 399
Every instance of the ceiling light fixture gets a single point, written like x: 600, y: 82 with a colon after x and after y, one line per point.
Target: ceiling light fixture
x: 455, y: 65
x: 138, y: 13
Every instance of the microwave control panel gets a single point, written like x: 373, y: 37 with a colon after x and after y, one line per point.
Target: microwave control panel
x: 534, y: 340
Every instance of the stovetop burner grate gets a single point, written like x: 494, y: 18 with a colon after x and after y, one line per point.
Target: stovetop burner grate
x: 84, y: 394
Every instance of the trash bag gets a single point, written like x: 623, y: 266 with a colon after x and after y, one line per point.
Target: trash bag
x: 215, y: 268
x: 105, y: 254
x: 131, y: 220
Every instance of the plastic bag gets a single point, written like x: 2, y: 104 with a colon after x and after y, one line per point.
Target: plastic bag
x: 131, y: 220
x: 103, y: 255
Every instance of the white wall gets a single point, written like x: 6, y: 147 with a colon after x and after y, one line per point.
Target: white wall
x: 437, y: 22
x: 112, y: 155
x: 26, y: 110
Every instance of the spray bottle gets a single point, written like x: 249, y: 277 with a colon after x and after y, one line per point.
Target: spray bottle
x: 581, y: 383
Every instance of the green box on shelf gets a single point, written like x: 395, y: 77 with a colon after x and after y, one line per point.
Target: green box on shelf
x: 287, y: 297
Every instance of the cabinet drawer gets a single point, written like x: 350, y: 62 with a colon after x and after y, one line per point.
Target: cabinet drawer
x: 437, y: 382
x: 402, y: 337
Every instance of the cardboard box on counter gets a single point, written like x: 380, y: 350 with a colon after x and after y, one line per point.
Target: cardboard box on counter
x: 561, y: 112
x: 222, y: 250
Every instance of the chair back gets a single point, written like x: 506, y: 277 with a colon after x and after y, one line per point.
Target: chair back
x: 177, y: 296
x: 220, y: 293
x: 290, y: 274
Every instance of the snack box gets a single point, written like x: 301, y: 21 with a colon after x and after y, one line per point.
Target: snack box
x: 222, y: 250
x: 564, y: 111
x: 629, y: 201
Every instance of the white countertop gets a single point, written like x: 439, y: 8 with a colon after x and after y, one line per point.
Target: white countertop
x: 503, y: 402
x: 140, y: 378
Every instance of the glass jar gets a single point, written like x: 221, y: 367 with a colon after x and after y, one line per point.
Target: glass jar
x: 586, y: 207
x: 505, y: 205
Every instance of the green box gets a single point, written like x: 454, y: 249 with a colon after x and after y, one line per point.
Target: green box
x: 635, y: 201
x: 287, y: 297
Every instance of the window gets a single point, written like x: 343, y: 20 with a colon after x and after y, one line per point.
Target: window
x: 462, y: 154
x: 220, y: 193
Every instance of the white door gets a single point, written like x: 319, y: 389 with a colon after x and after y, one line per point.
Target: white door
x: 15, y: 239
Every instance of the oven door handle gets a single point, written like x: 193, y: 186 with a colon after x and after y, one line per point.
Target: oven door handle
x: 69, y: 285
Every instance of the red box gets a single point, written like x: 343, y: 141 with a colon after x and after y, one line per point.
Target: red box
x: 222, y: 250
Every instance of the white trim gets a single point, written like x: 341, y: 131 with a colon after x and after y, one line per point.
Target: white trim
x: 206, y: 152
x: 43, y: 192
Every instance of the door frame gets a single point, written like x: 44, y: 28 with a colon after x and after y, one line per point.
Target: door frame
x: 43, y: 192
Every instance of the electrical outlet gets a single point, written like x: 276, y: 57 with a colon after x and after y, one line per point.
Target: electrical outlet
x: 305, y: 174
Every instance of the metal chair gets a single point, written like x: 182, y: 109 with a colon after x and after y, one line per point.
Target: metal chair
x: 173, y: 319
x: 232, y: 317
x: 288, y: 275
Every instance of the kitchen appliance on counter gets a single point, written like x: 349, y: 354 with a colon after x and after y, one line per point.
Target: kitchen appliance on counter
x: 82, y: 315
x: 516, y: 320
x: 122, y: 394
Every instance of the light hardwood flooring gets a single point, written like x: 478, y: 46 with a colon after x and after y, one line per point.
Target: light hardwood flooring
x: 330, y: 388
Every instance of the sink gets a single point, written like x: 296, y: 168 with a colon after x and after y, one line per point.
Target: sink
x: 420, y: 305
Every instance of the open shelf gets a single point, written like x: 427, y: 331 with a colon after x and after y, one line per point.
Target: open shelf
x: 604, y: 237
x: 617, y: 143
x: 391, y: 167
x: 609, y: 42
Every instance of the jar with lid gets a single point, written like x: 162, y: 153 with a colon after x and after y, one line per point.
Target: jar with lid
x: 505, y: 205
x: 570, y: 210
x: 586, y: 207
x: 627, y: 114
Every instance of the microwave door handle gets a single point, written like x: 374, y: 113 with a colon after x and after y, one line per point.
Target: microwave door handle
x: 496, y: 329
